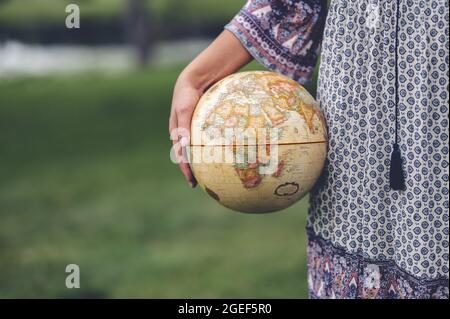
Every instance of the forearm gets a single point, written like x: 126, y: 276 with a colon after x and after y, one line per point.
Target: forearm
x: 224, y: 56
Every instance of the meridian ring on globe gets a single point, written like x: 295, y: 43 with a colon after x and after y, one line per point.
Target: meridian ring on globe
x: 258, y: 142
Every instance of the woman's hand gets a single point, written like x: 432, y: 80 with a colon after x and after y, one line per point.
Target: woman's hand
x: 224, y: 56
x: 185, y: 98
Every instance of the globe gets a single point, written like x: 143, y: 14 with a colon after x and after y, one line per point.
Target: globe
x: 258, y: 142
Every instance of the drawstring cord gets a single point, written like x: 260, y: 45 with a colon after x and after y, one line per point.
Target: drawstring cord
x: 396, y: 174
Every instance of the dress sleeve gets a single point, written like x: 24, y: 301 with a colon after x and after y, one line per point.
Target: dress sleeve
x: 283, y: 35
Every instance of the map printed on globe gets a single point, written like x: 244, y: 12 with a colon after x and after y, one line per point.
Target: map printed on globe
x: 258, y: 100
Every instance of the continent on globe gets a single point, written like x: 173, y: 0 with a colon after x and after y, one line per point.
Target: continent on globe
x: 272, y: 130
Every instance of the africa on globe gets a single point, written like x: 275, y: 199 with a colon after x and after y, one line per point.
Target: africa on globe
x: 258, y: 142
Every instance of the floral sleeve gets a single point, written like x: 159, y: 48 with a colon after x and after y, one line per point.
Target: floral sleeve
x: 283, y: 35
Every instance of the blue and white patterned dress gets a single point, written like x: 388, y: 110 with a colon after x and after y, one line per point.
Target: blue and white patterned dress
x: 367, y: 240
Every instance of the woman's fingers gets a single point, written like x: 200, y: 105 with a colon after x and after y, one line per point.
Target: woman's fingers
x: 184, y: 116
x: 187, y: 172
x: 179, y: 123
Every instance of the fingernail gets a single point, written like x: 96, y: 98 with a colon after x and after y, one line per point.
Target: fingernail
x: 191, y: 185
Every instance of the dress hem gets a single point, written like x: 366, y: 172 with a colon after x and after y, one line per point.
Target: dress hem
x: 333, y: 272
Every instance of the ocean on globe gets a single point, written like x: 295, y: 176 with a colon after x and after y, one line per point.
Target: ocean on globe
x: 258, y: 142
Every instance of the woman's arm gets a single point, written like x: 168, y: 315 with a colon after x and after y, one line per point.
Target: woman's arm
x: 224, y: 56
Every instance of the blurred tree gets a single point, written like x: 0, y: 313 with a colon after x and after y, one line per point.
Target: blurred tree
x: 138, y: 28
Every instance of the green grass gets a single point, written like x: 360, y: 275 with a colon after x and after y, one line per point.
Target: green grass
x: 86, y: 179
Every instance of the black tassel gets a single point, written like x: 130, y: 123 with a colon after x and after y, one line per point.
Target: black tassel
x: 396, y: 174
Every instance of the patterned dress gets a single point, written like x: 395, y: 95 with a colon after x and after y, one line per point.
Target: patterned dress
x: 366, y: 240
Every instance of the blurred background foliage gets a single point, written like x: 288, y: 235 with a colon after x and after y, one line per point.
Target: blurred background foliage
x: 85, y: 172
x: 15, y: 12
x: 103, y: 20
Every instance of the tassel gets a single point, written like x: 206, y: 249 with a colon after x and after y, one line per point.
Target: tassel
x: 396, y: 174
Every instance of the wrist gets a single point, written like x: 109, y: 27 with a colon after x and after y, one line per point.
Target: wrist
x: 197, y: 78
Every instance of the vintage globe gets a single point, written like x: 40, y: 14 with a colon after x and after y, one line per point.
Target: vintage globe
x: 258, y: 142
